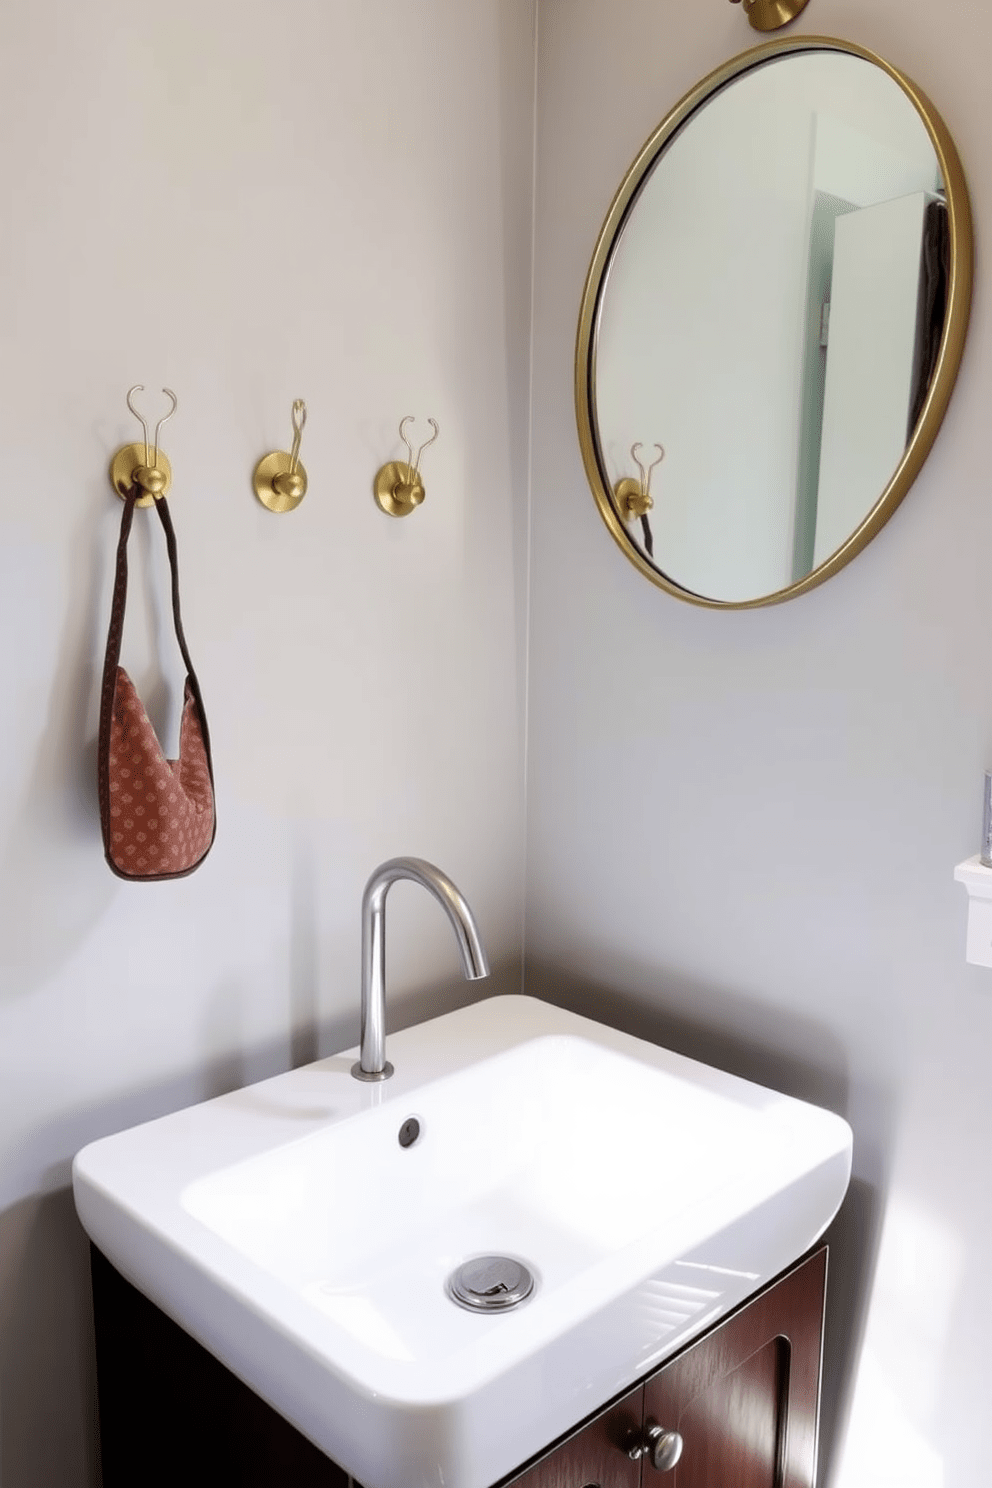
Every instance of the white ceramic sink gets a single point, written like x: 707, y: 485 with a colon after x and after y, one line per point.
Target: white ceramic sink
x: 286, y: 1228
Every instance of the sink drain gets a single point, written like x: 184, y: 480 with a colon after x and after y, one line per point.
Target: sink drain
x: 490, y: 1283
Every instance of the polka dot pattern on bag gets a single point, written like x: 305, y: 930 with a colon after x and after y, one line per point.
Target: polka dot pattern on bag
x: 161, y: 811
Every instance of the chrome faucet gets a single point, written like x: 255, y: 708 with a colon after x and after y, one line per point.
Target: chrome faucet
x: 373, y: 1064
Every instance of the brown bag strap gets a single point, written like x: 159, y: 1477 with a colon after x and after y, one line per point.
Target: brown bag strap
x: 113, y: 653
x: 194, y: 686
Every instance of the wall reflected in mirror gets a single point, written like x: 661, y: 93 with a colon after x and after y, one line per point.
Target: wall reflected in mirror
x: 771, y: 311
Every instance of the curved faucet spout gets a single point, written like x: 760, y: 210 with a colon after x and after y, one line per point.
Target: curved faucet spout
x: 373, y: 1064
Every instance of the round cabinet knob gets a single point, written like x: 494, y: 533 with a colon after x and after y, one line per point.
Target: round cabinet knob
x: 662, y: 1448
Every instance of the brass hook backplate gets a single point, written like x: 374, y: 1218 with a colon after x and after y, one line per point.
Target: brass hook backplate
x: 632, y: 499
x: 267, y: 472
x: 398, y: 489
x: 127, y: 461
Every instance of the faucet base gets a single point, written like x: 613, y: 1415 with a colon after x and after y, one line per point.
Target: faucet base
x: 371, y: 1075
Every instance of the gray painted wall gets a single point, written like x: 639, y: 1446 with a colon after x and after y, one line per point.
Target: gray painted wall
x: 249, y: 202
x: 742, y: 827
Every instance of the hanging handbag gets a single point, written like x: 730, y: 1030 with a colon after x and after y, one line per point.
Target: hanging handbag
x: 157, y: 815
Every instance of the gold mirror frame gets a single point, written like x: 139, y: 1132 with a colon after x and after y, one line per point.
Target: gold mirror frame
x: 948, y: 359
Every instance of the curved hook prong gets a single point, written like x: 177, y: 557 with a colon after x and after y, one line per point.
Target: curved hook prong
x: 408, y: 419
x: 164, y: 420
x: 427, y: 442
x: 646, y: 474
x: 139, y: 387
x: 299, y: 417
x: 414, y: 461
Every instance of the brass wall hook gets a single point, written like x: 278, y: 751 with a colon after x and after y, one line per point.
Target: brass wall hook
x: 634, y: 497
x: 131, y: 465
x: 280, y: 480
x: 769, y: 15
x: 397, y: 487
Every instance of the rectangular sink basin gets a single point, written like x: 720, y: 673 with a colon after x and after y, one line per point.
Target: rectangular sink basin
x: 290, y: 1231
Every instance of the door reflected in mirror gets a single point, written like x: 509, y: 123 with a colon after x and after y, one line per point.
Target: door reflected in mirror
x: 778, y: 298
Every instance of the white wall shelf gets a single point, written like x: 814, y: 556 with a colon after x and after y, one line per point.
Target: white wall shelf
x: 977, y: 879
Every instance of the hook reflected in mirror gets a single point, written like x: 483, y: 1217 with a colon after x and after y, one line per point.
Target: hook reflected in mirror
x: 634, y: 498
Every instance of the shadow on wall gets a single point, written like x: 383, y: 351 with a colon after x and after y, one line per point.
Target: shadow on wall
x: 760, y: 1043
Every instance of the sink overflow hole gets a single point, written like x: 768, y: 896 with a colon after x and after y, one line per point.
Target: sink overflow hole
x: 490, y: 1283
x: 409, y: 1131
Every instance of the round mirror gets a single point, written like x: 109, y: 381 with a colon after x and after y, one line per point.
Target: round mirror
x: 772, y: 322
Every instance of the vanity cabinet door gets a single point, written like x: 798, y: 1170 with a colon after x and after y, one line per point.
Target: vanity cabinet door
x: 744, y: 1398
x: 596, y: 1456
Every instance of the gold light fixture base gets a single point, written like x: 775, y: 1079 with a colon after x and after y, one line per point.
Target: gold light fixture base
x: 130, y: 459
x: 277, y: 485
x: 769, y: 15
x: 398, y: 489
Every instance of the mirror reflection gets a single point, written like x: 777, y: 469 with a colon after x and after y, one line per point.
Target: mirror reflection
x: 771, y: 314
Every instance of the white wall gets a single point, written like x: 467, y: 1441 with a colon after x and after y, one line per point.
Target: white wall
x: 742, y: 826
x: 249, y: 203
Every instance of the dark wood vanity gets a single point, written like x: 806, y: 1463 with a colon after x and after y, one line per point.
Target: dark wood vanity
x: 742, y: 1398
